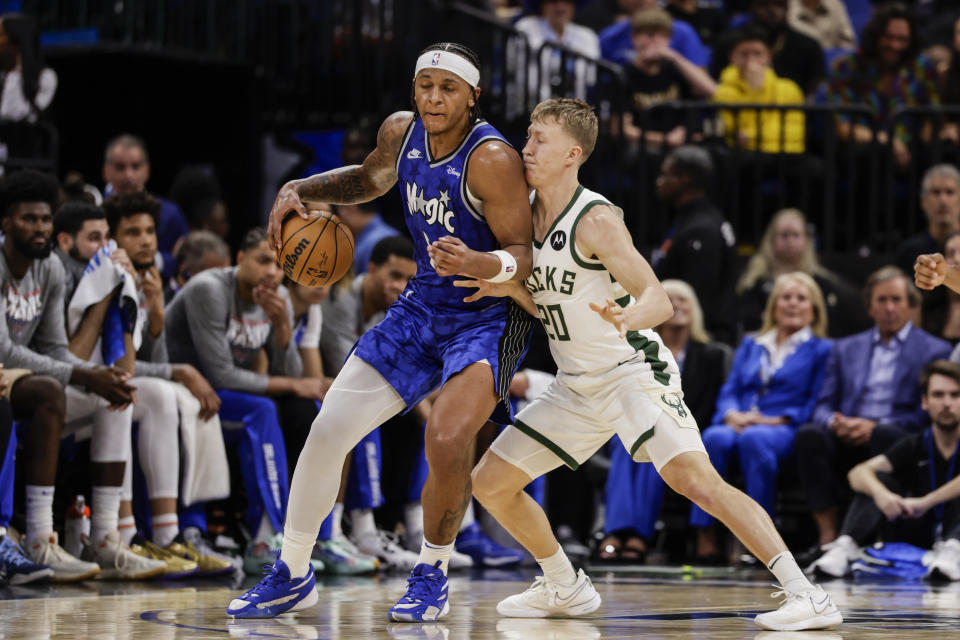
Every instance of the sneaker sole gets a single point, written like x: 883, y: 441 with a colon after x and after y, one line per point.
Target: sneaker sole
x: 27, y: 578
x: 307, y: 602
x: 817, y: 622
x: 77, y: 577
x: 583, y: 609
x: 115, y: 574
x: 443, y: 614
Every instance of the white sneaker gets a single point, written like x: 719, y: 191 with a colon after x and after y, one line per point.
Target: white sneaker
x: 386, y: 549
x: 945, y: 559
x: 46, y: 550
x: 545, y: 599
x: 835, y: 562
x: 118, y: 562
x: 811, y: 609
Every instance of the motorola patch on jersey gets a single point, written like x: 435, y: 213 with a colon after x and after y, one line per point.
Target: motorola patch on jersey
x: 558, y: 239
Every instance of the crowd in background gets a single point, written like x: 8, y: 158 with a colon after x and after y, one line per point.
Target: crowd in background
x: 172, y: 380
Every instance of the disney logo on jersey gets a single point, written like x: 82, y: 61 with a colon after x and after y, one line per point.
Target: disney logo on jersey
x: 433, y: 210
x: 545, y: 279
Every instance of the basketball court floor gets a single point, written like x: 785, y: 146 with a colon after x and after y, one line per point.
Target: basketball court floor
x: 642, y: 603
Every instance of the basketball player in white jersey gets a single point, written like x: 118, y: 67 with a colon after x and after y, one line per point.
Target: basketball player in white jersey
x: 598, y: 300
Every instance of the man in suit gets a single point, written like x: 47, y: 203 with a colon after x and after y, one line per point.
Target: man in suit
x: 870, y: 396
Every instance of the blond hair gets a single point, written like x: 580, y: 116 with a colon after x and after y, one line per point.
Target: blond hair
x: 819, y: 324
x: 683, y: 290
x: 574, y: 116
x: 761, y: 263
x: 652, y: 20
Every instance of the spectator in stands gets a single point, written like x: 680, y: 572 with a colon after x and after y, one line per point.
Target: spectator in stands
x: 795, y: 56
x: 34, y: 338
x: 634, y: 492
x: 771, y: 390
x: 28, y: 85
x: 133, y: 223
x: 940, y: 200
x: 709, y: 22
x: 236, y: 326
x: 656, y: 75
x: 368, y: 229
x: 197, y: 192
x: 897, y: 489
x: 600, y: 14
x: 950, y: 88
x: 886, y: 73
x: 199, y: 251
x: 826, y: 21
x: 126, y: 169
x: 787, y: 246
x: 870, y: 396
x: 941, y: 307
x: 75, y: 188
x: 700, y: 236
x: 616, y: 42
x: 80, y: 229
x: 555, y: 25
x: 750, y: 79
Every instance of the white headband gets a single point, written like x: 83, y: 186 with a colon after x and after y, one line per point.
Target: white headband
x: 449, y: 61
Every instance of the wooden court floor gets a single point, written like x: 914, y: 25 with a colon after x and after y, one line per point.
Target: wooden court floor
x: 641, y: 604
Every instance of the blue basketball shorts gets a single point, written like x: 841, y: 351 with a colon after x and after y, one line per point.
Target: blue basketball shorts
x: 417, y: 348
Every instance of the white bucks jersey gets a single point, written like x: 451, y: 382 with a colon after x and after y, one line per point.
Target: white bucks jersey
x: 564, y: 282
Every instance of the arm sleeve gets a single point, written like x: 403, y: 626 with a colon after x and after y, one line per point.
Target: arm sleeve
x: 727, y: 399
x: 21, y: 357
x: 902, y: 452
x: 314, y: 325
x: 828, y: 400
x: 152, y: 358
x: 207, y: 321
x: 285, y: 362
x: 800, y: 415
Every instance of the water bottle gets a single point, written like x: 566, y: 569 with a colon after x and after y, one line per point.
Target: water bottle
x: 76, y: 525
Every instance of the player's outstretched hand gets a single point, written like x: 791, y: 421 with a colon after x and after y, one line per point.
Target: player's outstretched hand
x: 287, y: 200
x: 612, y: 313
x: 930, y: 270
x: 485, y: 289
x: 449, y: 256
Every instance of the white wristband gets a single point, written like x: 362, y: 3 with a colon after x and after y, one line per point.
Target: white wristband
x: 508, y: 266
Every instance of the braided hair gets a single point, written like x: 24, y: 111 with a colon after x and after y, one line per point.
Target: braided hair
x: 460, y: 50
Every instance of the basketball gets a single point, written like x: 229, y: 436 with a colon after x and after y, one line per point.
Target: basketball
x: 316, y: 251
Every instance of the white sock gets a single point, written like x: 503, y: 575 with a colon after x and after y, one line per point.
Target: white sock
x: 3, y: 531
x: 557, y: 568
x: 265, y: 531
x: 468, y: 516
x: 337, y: 515
x: 431, y: 553
x: 127, y: 528
x: 362, y: 522
x: 106, y: 512
x: 413, y: 518
x: 296, y: 551
x: 166, y: 526
x: 39, y: 511
x: 788, y: 573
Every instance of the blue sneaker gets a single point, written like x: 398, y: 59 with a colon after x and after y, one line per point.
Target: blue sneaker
x: 426, y: 597
x: 276, y: 593
x: 484, y: 551
x: 18, y: 567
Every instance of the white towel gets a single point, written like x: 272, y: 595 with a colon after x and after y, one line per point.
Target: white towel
x: 203, y: 459
x: 99, y: 280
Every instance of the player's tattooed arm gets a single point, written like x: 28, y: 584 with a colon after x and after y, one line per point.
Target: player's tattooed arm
x: 346, y: 185
x: 363, y: 182
x: 495, y: 176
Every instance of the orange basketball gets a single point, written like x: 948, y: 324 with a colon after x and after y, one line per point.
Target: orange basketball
x: 316, y: 251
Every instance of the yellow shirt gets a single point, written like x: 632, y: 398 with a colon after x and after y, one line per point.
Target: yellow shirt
x: 744, y: 126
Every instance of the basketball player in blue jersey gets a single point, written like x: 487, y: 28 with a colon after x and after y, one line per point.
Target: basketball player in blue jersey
x: 462, y: 185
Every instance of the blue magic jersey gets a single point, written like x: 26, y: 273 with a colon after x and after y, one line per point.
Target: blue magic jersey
x: 437, y: 203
